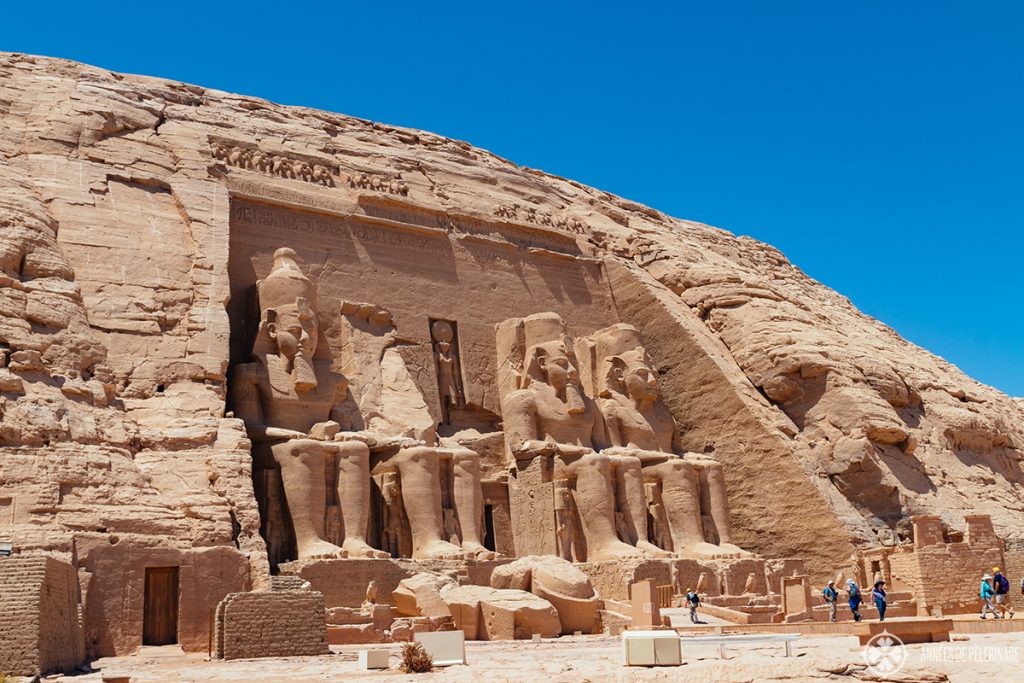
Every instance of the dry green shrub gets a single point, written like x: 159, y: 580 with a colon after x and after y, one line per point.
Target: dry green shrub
x: 415, y: 659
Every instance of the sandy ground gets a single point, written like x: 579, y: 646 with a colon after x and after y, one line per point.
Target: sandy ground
x: 599, y: 658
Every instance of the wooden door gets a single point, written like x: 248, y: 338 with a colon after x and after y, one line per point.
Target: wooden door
x: 160, y: 609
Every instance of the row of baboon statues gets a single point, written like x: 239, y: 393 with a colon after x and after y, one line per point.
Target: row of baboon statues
x: 619, y: 485
x: 297, y: 169
x: 273, y: 164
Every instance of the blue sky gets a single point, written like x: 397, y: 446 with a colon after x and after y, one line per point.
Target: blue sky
x: 879, y: 145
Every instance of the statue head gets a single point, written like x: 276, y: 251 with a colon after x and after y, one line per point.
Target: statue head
x: 550, y: 360
x: 287, y: 318
x: 553, y: 364
x: 443, y: 335
x: 622, y: 366
x: 630, y: 373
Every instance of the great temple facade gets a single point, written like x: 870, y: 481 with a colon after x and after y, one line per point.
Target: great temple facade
x: 241, y: 341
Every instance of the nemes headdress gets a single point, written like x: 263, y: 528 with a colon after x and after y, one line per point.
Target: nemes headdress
x: 539, y: 331
x: 609, y: 344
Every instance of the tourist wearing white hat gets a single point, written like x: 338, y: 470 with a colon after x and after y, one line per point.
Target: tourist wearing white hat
x: 986, y: 597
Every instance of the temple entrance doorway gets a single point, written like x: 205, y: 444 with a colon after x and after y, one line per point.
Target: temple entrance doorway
x: 489, y: 527
x: 160, y: 606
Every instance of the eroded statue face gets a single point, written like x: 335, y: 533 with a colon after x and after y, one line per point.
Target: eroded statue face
x: 294, y: 330
x: 560, y: 371
x: 638, y: 377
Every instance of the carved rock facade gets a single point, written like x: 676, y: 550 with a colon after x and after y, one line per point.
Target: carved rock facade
x: 137, y: 217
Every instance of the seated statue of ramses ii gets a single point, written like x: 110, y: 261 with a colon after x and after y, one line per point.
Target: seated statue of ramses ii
x: 293, y: 406
x: 619, y: 456
x: 683, y: 492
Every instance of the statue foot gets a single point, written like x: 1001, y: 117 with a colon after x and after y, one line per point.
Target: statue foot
x: 439, y: 550
x: 615, y: 551
x: 711, y: 551
x: 735, y: 550
x: 475, y: 551
x: 320, y: 549
x: 360, y: 548
x: 651, y: 550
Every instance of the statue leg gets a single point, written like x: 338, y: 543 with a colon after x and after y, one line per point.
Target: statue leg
x: 595, y: 500
x: 629, y: 493
x: 354, y: 497
x: 302, y: 465
x: 421, y: 496
x: 681, y: 499
x: 469, y: 502
x: 720, y: 506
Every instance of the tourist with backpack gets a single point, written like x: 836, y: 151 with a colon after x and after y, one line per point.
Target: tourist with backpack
x: 878, y: 595
x: 855, y: 598
x: 831, y: 596
x: 693, y: 602
x: 986, y: 593
x: 1001, y: 585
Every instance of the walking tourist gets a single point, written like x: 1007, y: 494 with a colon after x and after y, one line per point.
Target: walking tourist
x: 878, y: 595
x: 831, y: 596
x: 693, y: 602
x: 1001, y: 585
x: 855, y: 598
x: 986, y: 594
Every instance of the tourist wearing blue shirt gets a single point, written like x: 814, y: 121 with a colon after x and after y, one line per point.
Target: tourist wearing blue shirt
x: 878, y: 595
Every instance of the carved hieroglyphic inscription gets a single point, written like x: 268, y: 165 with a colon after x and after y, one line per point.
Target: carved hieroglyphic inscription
x: 252, y: 159
x: 425, y: 242
x: 515, y: 211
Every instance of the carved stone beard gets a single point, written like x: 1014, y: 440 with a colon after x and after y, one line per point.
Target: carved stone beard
x: 574, y: 399
x: 303, y: 375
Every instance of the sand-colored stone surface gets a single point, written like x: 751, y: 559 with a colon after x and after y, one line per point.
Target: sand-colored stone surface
x: 593, y: 658
x: 235, y: 334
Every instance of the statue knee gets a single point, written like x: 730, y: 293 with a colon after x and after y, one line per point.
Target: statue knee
x: 416, y: 454
x: 464, y: 456
x: 351, y: 449
x: 298, y: 449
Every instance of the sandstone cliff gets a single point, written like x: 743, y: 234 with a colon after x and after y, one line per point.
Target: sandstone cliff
x: 115, y: 195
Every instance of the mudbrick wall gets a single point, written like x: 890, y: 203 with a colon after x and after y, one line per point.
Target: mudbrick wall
x: 271, y: 624
x: 947, y: 575
x: 40, y: 629
x: 1014, y: 571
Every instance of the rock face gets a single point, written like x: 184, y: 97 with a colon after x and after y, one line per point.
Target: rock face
x: 137, y: 214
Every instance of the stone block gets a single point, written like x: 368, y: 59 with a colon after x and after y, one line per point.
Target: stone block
x: 447, y: 648
x: 651, y: 648
x: 373, y: 659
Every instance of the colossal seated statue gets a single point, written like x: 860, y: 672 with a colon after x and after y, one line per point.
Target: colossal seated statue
x: 292, y: 403
x: 549, y: 416
x: 685, y: 495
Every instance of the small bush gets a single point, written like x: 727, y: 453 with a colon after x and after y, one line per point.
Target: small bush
x: 415, y: 659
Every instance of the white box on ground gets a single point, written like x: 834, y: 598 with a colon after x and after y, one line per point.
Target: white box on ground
x: 446, y: 647
x: 651, y: 648
x: 373, y: 659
